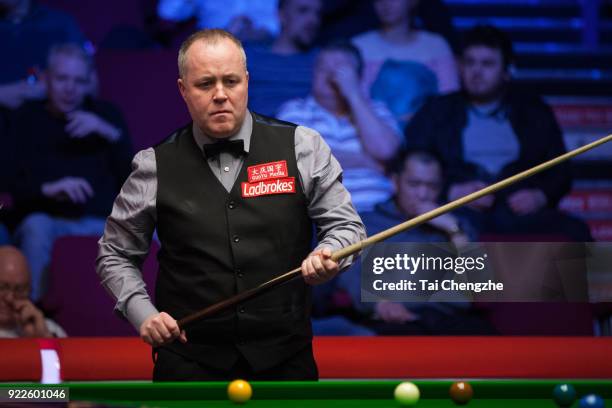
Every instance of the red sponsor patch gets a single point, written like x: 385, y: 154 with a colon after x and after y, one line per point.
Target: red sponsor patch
x: 268, y: 187
x: 268, y: 171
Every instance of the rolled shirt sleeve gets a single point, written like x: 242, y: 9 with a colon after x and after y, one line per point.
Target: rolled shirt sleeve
x: 127, y: 239
x: 329, y: 203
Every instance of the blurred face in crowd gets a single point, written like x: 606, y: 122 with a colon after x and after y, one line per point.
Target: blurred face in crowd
x: 419, y: 182
x: 483, y: 73
x: 215, y: 87
x: 324, y: 87
x: 68, y: 81
x: 393, y: 12
x: 14, y: 283
x: 300, y: 21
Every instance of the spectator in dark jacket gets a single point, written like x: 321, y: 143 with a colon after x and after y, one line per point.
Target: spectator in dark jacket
x: 72, y: 156
x: 417, y: 179
x: 487, y: 132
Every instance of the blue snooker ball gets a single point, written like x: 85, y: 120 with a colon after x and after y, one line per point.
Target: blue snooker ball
x: 564, y: 395
x: 591, y: 401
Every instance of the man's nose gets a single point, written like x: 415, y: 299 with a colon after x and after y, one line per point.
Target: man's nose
x: 477, y: 70
x: 422, y: 192
x: 220, y: 95
x: 70, y: 87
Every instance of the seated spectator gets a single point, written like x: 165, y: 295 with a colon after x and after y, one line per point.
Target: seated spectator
x: 418, y: 180
x: 487, y: 132
x: 347, y: 18
x: 282, y: 70
x: 249, y: 20
x: 27, y: 32
x: 73, y: 154
x: 362, y: 134
x: 396, y: 40
x: 18, y: 315
x: 435, y: 16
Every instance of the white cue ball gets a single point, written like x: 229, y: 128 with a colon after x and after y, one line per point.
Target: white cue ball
x: 407, y: 394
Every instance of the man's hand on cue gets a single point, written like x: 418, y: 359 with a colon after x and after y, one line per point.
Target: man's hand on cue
x: 318, y: 267
x: 161, y: 329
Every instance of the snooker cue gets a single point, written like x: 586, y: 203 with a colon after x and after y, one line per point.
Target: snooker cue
x: 413, y: 222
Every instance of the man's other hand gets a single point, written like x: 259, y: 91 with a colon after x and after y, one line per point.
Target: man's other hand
x: 391, y: 312
x: 76, y: 189
x: 318, y: 267
x: 30, y: 319
x: 459, y: 190
x: 161, y: 329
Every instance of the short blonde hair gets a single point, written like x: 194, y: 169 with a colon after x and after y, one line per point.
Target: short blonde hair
x: 209, y: 36
x: 69, y: 50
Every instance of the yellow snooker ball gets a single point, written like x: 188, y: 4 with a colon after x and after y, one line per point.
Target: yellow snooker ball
x: 239, y: 391
x: 407, y: 394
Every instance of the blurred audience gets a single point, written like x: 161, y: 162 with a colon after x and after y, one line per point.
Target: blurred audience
x: 249, y: 20
x: 282, y: 70
x: 346, y: 18
x: 27, y: 31
x: 362, y: 134
x: 73, y: 154
x: 418, y: 179
x: 487, y: 132
x: 397, y: 40
x: 18, y: 315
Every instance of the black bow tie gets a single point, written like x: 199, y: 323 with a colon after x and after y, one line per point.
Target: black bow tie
x: 236, y: 147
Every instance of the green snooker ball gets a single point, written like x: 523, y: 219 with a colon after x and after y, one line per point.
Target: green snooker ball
x: 407, y: 394
x: 564, y: 395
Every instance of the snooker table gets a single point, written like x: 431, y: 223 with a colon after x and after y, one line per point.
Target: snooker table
x: 326, y: 393
x: 355, y: 371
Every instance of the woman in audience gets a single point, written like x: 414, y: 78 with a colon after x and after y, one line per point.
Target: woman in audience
x: 397, y: 40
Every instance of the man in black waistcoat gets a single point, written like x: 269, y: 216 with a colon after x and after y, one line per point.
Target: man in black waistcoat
x: 233, y: 197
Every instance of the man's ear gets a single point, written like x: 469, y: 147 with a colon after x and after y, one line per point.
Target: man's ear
x: 181, y: 87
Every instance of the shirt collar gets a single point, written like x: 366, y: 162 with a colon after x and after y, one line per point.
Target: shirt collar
x: 244, y: 134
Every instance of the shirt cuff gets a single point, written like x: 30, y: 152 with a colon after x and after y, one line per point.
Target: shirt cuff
x: 138, y: 309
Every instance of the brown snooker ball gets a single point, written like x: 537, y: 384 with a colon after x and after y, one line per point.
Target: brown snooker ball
x: 461, y: 392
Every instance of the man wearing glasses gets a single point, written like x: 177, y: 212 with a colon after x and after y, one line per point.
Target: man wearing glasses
x: 18, y: 315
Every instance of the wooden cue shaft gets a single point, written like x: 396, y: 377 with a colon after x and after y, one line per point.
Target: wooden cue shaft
x: 411, y: 223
